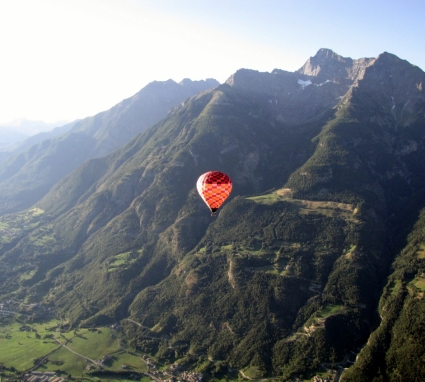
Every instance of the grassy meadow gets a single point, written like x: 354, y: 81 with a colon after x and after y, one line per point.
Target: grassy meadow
x: 305, y: 207
x: 19, y: 348
x: 14, y: 225
x: 328, y: 310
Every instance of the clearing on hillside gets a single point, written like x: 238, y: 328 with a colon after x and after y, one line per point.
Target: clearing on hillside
x: 300, y: 206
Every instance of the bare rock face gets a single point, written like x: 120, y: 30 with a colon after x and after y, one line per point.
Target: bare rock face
x: 294, y: 98
x: 326, y: 64
x: 328, y: 79
x: 396, y: 86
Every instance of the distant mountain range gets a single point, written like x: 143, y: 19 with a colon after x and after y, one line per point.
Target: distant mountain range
x: 32, y: 168
x: 8, y: 136
x: 11, y: 134
x: 22, y: 143
x: 316, y: 262
x: 30, y: 128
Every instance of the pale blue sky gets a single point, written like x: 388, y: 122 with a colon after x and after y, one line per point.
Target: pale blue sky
x: 68, y: 59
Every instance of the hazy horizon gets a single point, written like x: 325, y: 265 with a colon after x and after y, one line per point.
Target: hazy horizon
x: 70, y: 60
x: 27, y: 128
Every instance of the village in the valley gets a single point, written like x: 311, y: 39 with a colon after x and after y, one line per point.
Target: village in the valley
x: 11, y: 307
x: 172, y: 374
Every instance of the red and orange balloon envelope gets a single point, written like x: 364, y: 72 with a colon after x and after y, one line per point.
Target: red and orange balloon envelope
x: 214, y: 187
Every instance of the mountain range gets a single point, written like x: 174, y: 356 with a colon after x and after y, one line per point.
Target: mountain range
x: 28, y: 172
x: 316, y: 260
x: 8, y: 136
x: 13, y: 134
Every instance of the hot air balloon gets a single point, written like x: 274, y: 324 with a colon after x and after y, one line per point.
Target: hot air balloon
x: 214, y: 187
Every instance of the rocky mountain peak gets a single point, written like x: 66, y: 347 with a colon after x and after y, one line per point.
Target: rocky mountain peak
x: 324, y: 53
x: 328, y: 65
x: 397, y: 85
x: 390, y: 58
x: 211, y: 82
x: 389, y: 65
x: 325, y: 60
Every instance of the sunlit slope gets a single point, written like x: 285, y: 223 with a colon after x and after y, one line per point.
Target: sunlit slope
x: 142, y: 199
x: 262, y: 271
x: 27, y: 176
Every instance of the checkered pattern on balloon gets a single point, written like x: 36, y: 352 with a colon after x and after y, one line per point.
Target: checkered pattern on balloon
x: 214, y: 187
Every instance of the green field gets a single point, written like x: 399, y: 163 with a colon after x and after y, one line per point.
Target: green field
x: 73, y: 364
x: 27, y: 275
x: 419, y: 283
x: 20, y: 348
x: 15, y: 225
x: 123, y: 260
x: 33, y: 212
x: 252, y: 372
x: 304, y: 207
x: 94, y: 344
x: 277, y: 268
x: 328, y: 310
x: 421, y: 251
x: 44, y: 241
x: 395, y: 286
x: 65, y: 361
x: 267, y: 199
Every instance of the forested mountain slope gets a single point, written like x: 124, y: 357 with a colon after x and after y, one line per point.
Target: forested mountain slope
x: 395, y: 349
x: 28, y: 175
x: 287, y: 278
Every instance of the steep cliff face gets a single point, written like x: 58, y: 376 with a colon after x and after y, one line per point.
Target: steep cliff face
x: 396, y: 86
x: 326, y: 64
x: 295, y: 98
